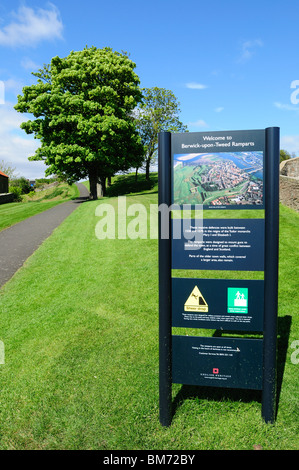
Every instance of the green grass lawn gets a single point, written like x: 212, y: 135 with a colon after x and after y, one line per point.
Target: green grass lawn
x: 14, y: 212
x: 80, y: 327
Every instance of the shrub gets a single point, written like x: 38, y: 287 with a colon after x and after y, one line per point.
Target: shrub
x: 17, y: 192
x: 42, y: 181
x: 21, y: 183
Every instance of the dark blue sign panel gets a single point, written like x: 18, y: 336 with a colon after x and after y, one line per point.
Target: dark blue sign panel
x: 217, y: 362
x: 222, y: 244
x: 219, y: 169
x: 218, y: 304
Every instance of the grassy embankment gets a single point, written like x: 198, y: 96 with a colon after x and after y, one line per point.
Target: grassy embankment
x: 14, y: 212
x: 80, y: 327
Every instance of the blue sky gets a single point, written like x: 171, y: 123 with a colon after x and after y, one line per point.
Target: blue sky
x: 230, y: 63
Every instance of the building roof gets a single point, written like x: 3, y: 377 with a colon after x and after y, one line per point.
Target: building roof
x: 3, y: 174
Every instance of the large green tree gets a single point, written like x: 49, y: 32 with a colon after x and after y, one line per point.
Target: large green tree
x: 82, y: 107
x: 158, y: 111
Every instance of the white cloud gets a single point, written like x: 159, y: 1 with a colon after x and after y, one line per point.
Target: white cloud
x: 219, y: 109
x: 30, y: 26
x: 199, y: 123
x: 290, y: 143
x: 10, y: 120
x: 2, y: 92
x: 16, y: 146
x: 13, y: 85
x: 286, y: 107
x: 248, y: 49
x: 29, y: 64
x: 196, y: 86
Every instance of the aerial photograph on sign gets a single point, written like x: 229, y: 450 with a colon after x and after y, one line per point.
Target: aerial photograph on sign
x: 218, y: 179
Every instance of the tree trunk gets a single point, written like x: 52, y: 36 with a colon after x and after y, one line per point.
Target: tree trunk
x: 147, y: 169
x: 93, y: 181
x: 101, y: 186
x: 136, y: 174
x: 97, y: 184
x: 99, y: 190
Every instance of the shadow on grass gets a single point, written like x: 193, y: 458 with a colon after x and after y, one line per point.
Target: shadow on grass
x: 79, y: 200
x: 243, y: 395
x: 283, y: 329
x: 127, y: 184
x: 214, y: 394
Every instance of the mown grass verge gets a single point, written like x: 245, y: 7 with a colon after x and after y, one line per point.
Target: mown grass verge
x: 80, y: 327
x: 15, y: 212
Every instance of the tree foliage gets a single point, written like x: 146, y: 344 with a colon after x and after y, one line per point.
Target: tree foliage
x: 284, y: 155
x: 158, y: 111
x: 82, y: 107
x: 6, y: 168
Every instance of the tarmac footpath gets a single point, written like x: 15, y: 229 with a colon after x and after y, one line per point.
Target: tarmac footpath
x: 18, y: 242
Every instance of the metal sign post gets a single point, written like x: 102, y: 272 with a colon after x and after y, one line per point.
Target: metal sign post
x: 271, y: 274
x: 165, y: 361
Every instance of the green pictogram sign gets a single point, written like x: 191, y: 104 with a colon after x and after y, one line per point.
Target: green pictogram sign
x: 237, y: 300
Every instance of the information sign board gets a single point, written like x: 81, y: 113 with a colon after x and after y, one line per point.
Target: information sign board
x: 219, y: 171
x: 218, y: 304
x: 217, y: 362
x: 226, y: 244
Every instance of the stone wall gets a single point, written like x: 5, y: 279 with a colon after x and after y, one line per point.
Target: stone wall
x: 289, y: 192
x: 8, y: 197
x: 290, y: 167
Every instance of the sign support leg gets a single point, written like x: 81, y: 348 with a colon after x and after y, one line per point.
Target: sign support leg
x: 165, y: 356
x: 271, y: 274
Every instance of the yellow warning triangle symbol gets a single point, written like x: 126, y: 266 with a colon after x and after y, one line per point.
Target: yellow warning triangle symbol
x: 196, y: 302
